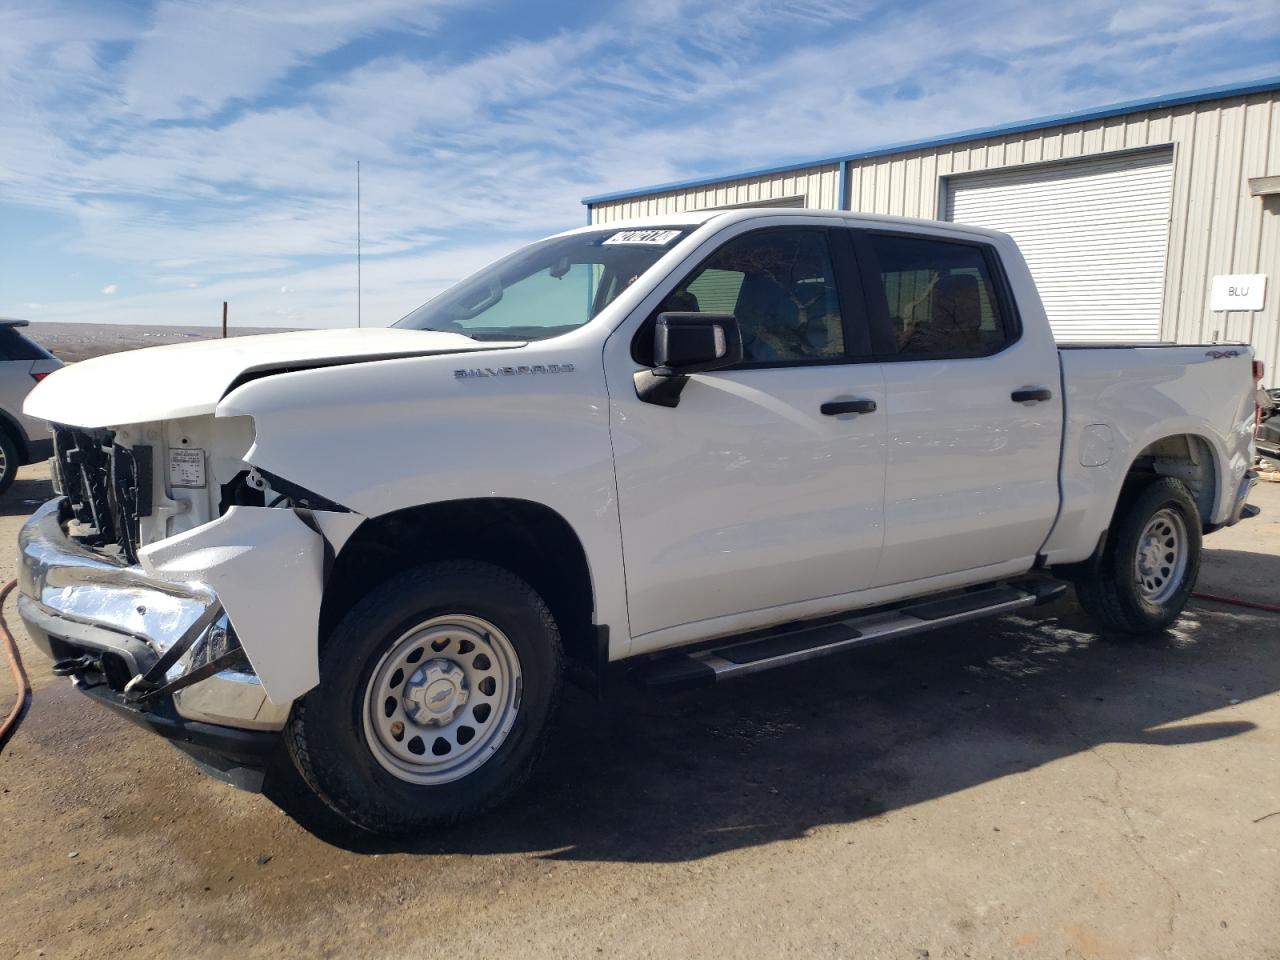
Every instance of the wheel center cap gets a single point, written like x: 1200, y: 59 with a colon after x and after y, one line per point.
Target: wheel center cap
x: 435, y: 692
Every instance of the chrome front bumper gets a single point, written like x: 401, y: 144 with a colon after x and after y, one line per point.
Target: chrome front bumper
x: 75, y: 601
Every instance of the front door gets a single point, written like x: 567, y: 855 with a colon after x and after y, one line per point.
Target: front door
x: 746, y: 497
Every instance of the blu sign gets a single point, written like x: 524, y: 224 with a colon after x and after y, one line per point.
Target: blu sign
x: 1238, y: 291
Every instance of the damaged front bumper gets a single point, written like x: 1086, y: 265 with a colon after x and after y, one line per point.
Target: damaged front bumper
x: 252, y: 579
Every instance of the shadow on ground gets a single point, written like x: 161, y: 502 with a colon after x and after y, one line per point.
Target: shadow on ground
x: 663, y: 777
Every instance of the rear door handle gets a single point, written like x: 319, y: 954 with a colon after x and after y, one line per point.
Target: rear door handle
x: 1031, y: 394
x: 833, y: 408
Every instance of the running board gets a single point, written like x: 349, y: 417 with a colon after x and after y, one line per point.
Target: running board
x: 806, y: 640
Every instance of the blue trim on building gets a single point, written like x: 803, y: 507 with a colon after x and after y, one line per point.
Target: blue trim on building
x: 842, y: 187
x: 1265, y: 85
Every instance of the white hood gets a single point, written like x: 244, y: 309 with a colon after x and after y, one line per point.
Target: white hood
x: 188, y: 379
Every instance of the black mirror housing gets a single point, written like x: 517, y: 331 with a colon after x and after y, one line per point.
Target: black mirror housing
x: 685, y: 343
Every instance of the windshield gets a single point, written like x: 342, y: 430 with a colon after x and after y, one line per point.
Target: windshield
x: 547, y: 288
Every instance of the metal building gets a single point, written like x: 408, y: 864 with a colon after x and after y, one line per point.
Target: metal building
x: 1142, y: 221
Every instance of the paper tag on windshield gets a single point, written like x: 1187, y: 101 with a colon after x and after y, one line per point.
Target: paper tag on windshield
x: 652, y: 238
x: 186, y: 467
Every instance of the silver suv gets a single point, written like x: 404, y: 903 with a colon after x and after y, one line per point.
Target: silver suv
x: 23, y: 364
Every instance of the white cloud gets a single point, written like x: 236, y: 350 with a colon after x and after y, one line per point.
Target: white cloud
x: 196, y: 56
x: 468, y: 153
x: 36, y: 306
x: 109, y: 289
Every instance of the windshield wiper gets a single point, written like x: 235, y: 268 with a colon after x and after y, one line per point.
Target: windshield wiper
x: 478, y: 335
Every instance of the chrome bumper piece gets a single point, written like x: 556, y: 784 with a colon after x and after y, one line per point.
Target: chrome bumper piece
x: 74, y: 601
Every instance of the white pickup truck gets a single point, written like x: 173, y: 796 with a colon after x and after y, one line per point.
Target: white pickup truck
x: 706, y: 445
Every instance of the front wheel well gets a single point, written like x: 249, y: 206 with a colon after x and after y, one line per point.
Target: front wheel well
x: 529, y: 539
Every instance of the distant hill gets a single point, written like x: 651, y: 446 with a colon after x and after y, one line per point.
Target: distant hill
x: 70, y: 342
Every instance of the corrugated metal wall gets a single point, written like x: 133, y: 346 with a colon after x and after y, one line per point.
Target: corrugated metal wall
x: 817, y: 185
x: 1216, y: 227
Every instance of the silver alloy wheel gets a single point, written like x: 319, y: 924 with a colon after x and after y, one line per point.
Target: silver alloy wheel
x: 4, y: 464
x: 442, y: 699
x: 1161, y: 559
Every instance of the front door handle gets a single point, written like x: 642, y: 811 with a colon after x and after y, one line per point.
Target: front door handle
x: 833, y: 408
x: 1031, y: 394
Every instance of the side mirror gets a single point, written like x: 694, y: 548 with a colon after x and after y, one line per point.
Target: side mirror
x: 685, y: 343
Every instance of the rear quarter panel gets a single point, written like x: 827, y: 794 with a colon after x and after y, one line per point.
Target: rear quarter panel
x: 1122, y: 399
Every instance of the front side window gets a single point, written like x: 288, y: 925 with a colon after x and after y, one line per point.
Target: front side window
x: 781, y: 286
x: 547, y: 288
x: 940, y: 297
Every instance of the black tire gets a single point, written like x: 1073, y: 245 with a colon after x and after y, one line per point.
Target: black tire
x: 326, y: 731
x: 9, y: 470
x: 1108, y: 586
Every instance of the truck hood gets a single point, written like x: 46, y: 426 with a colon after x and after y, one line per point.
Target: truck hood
x: 188, y: 379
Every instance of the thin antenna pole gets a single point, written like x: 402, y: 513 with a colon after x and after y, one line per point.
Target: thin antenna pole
x: 359, y: 279
x: 224, y: 319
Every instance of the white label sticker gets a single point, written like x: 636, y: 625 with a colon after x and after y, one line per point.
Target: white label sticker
x: 1238, y: 291
x: 186, y: 467
x: 653, y: 238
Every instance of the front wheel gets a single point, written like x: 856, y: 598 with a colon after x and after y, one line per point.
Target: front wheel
x: 1144, y: 574
x: 436, y: 694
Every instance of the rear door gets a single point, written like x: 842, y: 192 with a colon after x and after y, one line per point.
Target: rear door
x: 747, y: 498
x: 975, y: 414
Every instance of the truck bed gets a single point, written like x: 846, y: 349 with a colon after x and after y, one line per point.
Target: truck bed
x: 1120, y: 399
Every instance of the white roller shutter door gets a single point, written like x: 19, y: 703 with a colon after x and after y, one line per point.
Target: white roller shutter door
x: 1095, y: 234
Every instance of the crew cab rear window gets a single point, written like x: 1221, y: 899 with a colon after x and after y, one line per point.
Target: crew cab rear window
x: 941, y: 297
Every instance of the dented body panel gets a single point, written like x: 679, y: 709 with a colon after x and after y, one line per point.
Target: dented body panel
x: 234, y: 556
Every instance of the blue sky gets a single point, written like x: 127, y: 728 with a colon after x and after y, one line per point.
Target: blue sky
x: 158, y: 158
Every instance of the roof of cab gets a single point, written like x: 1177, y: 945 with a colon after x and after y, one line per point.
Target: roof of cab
x: 736, y: 214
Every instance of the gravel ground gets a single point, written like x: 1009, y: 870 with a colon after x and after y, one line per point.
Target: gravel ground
x: 1018, y: 788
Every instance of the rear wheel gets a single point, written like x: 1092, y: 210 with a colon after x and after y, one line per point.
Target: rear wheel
x: 436, y: 694
x: 1143, y: 576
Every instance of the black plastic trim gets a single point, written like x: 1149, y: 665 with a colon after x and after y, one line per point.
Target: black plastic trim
x: 677, y: 671
x: 789, y: 643
x: 834, y: 408
x: 245, y: 748
x: 964, y: 603
x: 660, y: 391
x: 1032, y: 395
x: 300, y: 496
